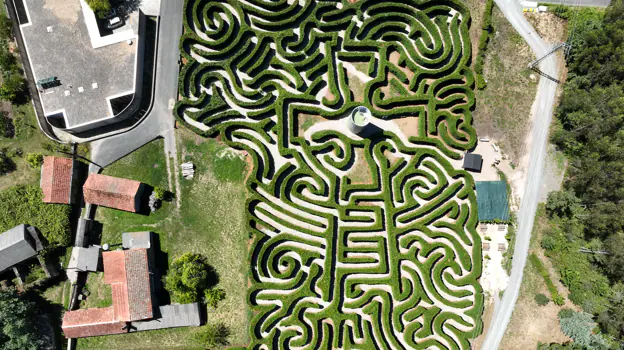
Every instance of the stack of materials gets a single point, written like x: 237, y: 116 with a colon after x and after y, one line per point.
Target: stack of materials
x: 188, y: 170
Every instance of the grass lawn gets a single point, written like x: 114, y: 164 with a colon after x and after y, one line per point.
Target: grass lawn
x: 210, y: 221
x: 30, y: 139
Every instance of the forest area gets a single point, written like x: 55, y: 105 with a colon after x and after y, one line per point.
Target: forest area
x: 585, y: 239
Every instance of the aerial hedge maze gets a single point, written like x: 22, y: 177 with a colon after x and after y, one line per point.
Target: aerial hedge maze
x: 390, y: 263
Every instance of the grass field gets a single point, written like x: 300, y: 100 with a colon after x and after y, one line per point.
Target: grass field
x: 211, y: 221
x: 503, y: 109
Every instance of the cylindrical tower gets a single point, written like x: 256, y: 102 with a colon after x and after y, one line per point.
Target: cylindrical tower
x: 358, y: 120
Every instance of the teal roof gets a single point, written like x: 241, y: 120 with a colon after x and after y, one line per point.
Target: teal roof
x: 492, y: 200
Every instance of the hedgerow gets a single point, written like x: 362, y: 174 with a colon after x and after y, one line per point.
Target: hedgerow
x: 557, y: 298
x: 336, y: 263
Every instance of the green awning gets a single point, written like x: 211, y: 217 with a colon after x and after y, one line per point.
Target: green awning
x: 492, y: 201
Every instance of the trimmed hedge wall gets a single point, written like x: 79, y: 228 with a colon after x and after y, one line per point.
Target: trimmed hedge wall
x: 328, y: 254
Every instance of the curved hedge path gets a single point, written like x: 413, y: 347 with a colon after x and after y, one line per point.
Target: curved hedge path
x: 392, y: 263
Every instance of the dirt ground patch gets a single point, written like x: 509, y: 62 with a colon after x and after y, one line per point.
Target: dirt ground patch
x: 67, y: 11
x: 361, y: 172
x: 476, y: 8
x: 550, y: 27
x: 503, y: 109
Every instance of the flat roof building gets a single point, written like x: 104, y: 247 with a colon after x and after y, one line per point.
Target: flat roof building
x: 473, y: 162
x: 83, y: 71
x: 113, y: 192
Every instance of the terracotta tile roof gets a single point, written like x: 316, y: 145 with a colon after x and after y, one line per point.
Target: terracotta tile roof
x: 127, y: 271
x: 112, y: 192
x: 56, y: 177
x: 91, y: 323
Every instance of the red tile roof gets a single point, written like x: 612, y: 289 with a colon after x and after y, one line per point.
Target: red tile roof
x: 128, y: 274
x: 91, y: 323
x: 56, y: 178
x: 127, y: 271
x: 112, y: 192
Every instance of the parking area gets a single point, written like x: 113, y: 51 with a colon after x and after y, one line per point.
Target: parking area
x: 59, y: 47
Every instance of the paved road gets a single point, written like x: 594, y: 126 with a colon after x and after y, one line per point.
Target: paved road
x: 543, y: 114
x: 159, y: 121
x: 586, y: 3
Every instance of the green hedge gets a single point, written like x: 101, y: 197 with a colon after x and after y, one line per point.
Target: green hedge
x: 271, y: 66
x: 557, y: 298
x: 486, y: 33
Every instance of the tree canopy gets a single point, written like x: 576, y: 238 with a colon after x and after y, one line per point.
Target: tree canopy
x: 589, y: 212
x: 17, y: 329
x: 188, y: 277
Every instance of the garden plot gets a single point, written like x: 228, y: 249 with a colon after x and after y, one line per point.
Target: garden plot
x: 391, y: 262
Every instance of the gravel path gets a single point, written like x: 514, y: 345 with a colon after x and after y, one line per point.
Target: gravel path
x: 543, y: 108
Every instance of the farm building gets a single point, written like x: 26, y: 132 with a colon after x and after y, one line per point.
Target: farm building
x: 473, y: 162
x: 57, y: 180
x: 18, y: 245
x: 492, y: 201
x: 131, y: 278
x: 113, y: 192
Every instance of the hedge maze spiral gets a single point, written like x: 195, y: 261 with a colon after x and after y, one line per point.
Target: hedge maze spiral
x: 389, y: 263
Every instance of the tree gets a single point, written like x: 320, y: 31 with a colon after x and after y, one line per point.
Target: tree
x: 160, y: 193
x: 213, y: 296
x: 35, y: 160
x: 578, y: 326
x: 17, y: 329
x: 563, y: 204
x: 541, y: 299
x: 188, y: 277
x: 615, y: 260
x: 100, y: 7
x: 13, y: 86
x: 213, y: 335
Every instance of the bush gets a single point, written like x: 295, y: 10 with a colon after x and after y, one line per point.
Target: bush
x: 213, y: 296
x: 100, y: 7
x: 554, y: 293
x: 541, y: 299
x: 558, y: 299
x: 7, y: 129
x: 579, y: 326
x: 212, y: 336
x: 6, y: 27
x: 6, y: 164
x: 13, y: 87
x: 548, y: 243
x: 188, y: 277
x: 160, y: 193
x: 35, y: 160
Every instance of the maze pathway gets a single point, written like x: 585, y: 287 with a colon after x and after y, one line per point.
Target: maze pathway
x: 388, y: 262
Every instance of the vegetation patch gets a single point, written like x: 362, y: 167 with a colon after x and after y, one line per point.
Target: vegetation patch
x: 336, y: 263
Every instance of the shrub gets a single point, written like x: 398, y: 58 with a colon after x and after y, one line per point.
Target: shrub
x: 100, y: 7
x: 7, y: 129
x: 160, y: 193
x: 6, y: 27
x: 35, y: 160
x: 541, y: 299
x: 188, y: 277
x: 212, y: 296
x: 548, y: 243
x: 558, y: 299
x: 554, y: 293
x: 579, y: 326
x: 6, y: 164
x: 13, y: 86
x: 213, y: 336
